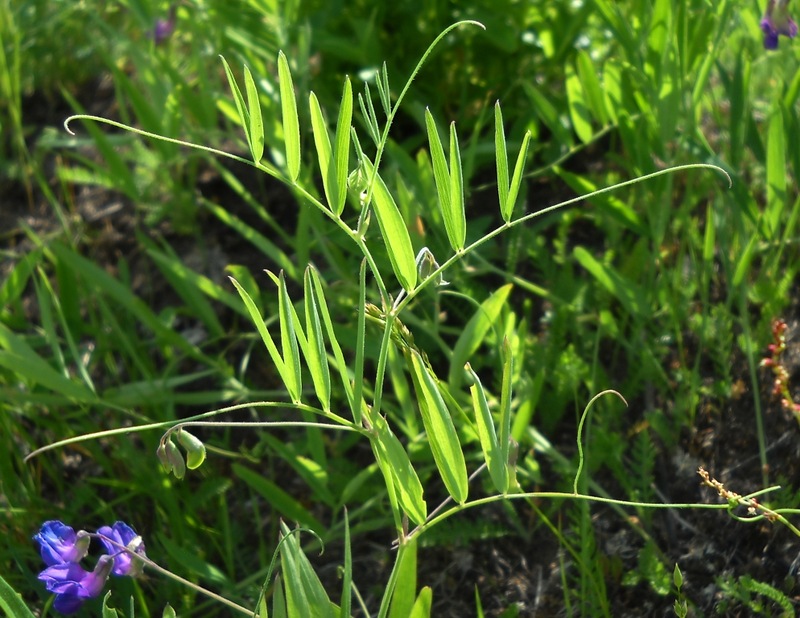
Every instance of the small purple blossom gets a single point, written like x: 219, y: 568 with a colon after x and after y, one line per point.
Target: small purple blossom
x: 73, y: 585
x: 124, y: 536
x: 776, y: 22
x: 59, y: 543
x: 164, y: 28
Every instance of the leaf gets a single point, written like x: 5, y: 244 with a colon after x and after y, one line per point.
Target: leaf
x: 341, y: 151
x: 587, y: 73
x: 454, y: 218
x: 516, y: 180
x: 776, y: 173
x: 441, y: 173
x: 256, y: 123
x: 323, y: 144
x: 291, y: 124
x: 278, y: 499
x: 474, y: 333
x: 258, y: 321
x: 291, y: 355
x: 423, y: 604
x: 316, y: 357
x: 241, y: 108
x: 405, y: 582
x: 11, y: 602
x: 394, y: 231
x: 439, y: 427
x: 305, y: 595
x: 501, y: 158
x: 492, y: 453
x: 578, y: 112
x: 403, y: 481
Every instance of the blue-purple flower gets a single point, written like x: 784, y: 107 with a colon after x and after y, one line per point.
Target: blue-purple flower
x: 123, y: 535
x: 164, y: 28
x: 776, y: 22
x: 73, y: 585
x: 59, y: 543
x: 63, y: 549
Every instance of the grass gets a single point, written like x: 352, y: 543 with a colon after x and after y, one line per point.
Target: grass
x: 663, y: 290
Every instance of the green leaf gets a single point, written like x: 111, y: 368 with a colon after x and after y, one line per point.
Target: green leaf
x: 341, y: 364
x: 400, y: 475
x: 11, y: 602
x: 291, y: 124
x: 255, y: 316
x: 316, y: 358
x: 291, y: 355
x: 578, y: 112
x: 108, y: 611
x: 278, y: 599
x: 169, y: 612
x: 347, y: 577
x: 630, y: 295
x: 278, y: 499
x: 492, y: 453
x: 405, y: 582
x: 776, y: 173
x: 305, y: 595
x: 516, y: 180
x: 423, y: 604
x: 324, y: 154
x: 441, y: 432
x: 501, y: 158
x: 474, y: 333
x: 505, y: 404
x: 590, y: 82
x: 241, y: 108
x: 17, y: 356
x: 256, y: 123
x: 394, y: 231
x: 454, y: 219
x: 341, y: 151
x: 441, y: 173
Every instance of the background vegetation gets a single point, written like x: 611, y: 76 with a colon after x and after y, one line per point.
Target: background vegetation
x: 116, y: 308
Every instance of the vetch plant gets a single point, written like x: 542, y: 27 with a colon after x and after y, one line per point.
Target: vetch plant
x: 354, y: 395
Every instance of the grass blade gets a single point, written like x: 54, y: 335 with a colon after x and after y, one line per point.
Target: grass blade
x: 474, y: 332
x: 238, y: 99
x: 291, y: 124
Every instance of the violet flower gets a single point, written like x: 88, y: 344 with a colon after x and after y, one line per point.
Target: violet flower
x: 164, y: 28
x: 73, y: 585
x: 776, y: 22
x: 124, y: 536
x: 59, y: 543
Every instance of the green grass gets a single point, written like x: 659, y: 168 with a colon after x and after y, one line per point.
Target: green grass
x: 655, y: 290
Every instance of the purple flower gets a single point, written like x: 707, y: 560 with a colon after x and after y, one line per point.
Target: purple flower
x: 59, y: 543
x: 72, y: 584
x: 164, y: 27
x: 123, y: 535
x: 776, y: 22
